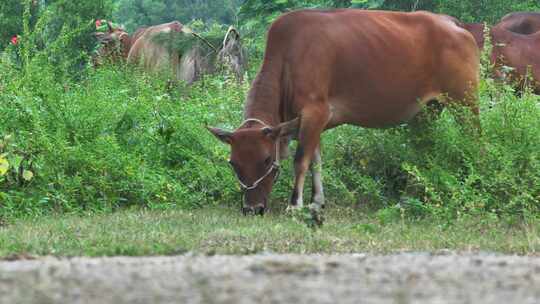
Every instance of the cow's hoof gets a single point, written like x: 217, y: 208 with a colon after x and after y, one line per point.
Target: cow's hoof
x: 292, y: 209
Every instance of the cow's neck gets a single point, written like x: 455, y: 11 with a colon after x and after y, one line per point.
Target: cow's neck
x: 264, y: 99
x: 126, y: 46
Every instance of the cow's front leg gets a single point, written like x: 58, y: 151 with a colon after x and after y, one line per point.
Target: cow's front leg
x: 317, y: 198
x: 312, y: 124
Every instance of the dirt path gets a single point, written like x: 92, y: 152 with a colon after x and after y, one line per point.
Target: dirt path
x: 402, y: 278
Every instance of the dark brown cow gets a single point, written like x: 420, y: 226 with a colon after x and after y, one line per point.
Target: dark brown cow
x: 326, y: 68
x: 477, y: 30
x: 516, y: 56
x: 521, y: 22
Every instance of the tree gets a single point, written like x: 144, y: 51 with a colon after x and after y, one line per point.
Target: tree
x: 136, y: 13
x: 57, y: 31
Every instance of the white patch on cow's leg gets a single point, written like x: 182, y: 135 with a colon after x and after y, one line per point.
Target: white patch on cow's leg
x: 301, y: 165
x: 316, y: 171
x: 297, y: 200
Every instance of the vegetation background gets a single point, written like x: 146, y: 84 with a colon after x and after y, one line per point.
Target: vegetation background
x: 76, y: 139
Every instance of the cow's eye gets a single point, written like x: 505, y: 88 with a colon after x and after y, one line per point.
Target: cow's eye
x: 268, y: 161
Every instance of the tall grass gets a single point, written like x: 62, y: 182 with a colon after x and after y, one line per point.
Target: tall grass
x: 118, y: 137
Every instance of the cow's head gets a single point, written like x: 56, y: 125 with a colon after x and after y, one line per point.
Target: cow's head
x: 114, y: 42
x: 255, y: 155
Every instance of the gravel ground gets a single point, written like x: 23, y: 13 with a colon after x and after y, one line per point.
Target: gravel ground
x: 357, y: 278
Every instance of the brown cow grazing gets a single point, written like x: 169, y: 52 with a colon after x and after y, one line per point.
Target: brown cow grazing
x: 521, y: 22
x: 326, y: 68
x: 516, y: 56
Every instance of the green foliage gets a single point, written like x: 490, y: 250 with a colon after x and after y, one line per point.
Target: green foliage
x: 56, y: 32
x: 452, y: 173
x: 210, y: 38
x: 114, y: 137
x: 114, y: 140
x: 11, y: 21
x: 137, y: 13
x: 483, y: 11
x: 369, y: 4
x: 121, y: 138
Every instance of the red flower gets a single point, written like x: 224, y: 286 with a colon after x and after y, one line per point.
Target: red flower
x: 14, y: 40
x: 98, y: 23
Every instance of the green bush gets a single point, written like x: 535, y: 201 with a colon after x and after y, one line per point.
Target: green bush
x: 120, y: 138
x: 454, y: 173
x: 116, y: 137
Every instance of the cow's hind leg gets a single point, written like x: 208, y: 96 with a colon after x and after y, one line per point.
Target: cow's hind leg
x: 312, y: 123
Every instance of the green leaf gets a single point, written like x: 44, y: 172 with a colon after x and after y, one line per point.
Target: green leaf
x: 4, y: 166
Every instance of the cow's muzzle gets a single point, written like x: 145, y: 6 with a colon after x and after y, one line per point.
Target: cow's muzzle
x: 256, y: 210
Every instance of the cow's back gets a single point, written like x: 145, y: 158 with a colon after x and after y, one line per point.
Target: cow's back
x: 521, y: 22
x: 153, y: 56
x: 372, y: 66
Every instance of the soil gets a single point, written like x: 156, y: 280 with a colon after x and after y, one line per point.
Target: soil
x: 357, y: 278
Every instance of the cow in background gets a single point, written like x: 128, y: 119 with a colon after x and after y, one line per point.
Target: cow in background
x: 115, y: 44
x: 525, y: 23
x: 516, y: 56
x: 232, y: 56
x: 155, y: 56
x: 145, y: 49
x: 515, y: 44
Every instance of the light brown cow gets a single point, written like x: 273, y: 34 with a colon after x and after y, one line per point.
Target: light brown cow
x: 323, y: 69
x: 154, y: 56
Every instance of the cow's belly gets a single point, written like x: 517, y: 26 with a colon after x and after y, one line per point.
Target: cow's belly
x: 375, y: 112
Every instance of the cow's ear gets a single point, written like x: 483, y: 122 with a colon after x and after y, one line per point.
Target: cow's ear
x: 288, y: 128
x: 223, y: 135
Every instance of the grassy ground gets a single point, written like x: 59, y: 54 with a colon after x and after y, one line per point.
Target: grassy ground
x: 224, y: 231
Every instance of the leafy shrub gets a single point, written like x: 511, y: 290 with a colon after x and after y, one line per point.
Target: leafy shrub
x: 455, y: 173
x: 115, y: 137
